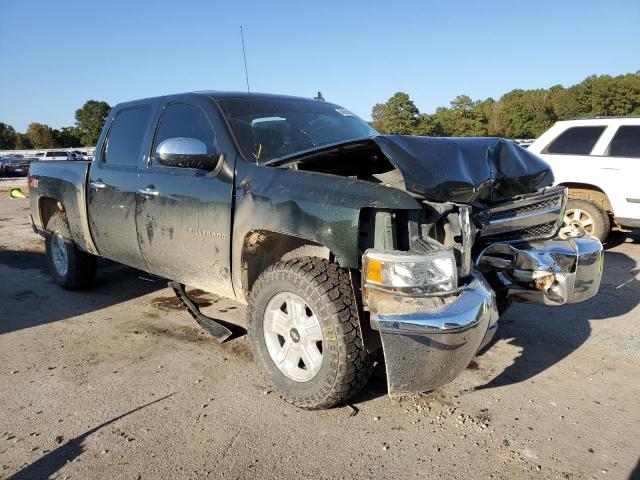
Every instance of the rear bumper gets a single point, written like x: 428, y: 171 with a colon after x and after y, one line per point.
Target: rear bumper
x: 428, y: 341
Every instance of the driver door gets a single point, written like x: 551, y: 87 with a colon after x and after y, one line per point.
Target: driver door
x: 184, y: 214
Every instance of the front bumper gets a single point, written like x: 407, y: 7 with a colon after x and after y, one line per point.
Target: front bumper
x: 428, y: 341
x: 551, y: 272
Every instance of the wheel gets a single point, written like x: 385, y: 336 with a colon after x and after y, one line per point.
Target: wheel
x: 304, y: 330
x: 589, y: 216
x: 70, y: 267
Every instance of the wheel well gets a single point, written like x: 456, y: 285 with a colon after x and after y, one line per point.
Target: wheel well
x: 591, y: 193
x: 47, y: 207
x: 262, y: 248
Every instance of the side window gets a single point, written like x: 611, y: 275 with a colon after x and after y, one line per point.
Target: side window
x: 126, y: 136
x: 626, y: 142
x: 182, y: 120
x: 576, y: 141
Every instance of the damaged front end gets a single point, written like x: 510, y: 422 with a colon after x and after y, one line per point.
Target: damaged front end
x: 437, y: 304
x: 431, y: 324
x: 435, y: 280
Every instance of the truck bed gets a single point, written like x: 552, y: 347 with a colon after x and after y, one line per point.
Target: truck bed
x: 61, y: 181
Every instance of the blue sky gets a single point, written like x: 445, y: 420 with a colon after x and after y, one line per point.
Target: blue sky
x: 55, y: 55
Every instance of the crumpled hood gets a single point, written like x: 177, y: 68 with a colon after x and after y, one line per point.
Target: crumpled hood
x: 465, y: 170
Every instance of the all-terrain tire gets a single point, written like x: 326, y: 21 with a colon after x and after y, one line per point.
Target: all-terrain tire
x: 326, y: 289
x: 80, y: 266
x: 601, y: 225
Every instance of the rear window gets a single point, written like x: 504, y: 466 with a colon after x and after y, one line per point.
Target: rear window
x: 125, y: 139
x: 626, y: 142
x: 576, y: 141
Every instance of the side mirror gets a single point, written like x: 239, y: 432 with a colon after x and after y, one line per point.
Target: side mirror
x: 183, y: 152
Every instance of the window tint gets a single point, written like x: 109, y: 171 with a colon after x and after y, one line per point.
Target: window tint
x: 181, y: 120
x: 126, y: 136
x: 626, y: 142
x: 576, y: 141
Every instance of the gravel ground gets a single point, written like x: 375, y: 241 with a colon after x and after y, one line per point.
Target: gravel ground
x: 119, y: 382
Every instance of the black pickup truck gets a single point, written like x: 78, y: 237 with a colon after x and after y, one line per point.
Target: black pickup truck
x: 341, y: 241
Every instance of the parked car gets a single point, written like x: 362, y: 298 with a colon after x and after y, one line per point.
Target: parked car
x: 599, y: 161
x: 15, y: 166
x: 341, y: 241
x: 58, y: 155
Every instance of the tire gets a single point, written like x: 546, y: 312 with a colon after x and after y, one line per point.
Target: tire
x: 593, y: 219
x: 70, y: 267
x: 325, y: 289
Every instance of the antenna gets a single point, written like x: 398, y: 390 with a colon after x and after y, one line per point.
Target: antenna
x: 246, y: 76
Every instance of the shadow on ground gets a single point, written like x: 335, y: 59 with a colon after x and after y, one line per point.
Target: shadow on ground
x: 546, y: 335
x: 29, y: 296
x: 53, y: 461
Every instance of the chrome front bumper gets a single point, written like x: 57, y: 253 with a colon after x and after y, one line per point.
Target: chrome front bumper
x: 428, y: 341
x: 551, y: 272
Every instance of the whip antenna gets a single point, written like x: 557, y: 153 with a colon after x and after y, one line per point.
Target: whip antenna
x: 246, y: 76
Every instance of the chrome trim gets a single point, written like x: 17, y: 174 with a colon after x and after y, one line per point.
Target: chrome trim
x: 538, y: 210
x: 467, y: 240
x: 148, y: 192
x: 427, y: 342
x: 552, y: 272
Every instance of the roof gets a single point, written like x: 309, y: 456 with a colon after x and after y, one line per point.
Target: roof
x: 217, y: 95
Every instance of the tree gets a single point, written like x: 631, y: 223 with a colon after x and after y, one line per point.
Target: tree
x: 40, y: 135
x: 89, y: 121
x: 7, y: 137
x: 22, y: 142
x: 67, y: 137
x: 518, y: 113
x: 398, y: 115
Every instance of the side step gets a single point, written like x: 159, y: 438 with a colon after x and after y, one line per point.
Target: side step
x: 214, y: 327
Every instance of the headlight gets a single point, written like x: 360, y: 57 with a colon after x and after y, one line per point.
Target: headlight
x: 420, y: 273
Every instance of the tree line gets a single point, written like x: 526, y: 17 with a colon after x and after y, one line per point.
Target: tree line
x: 89, y: 120
x: 517, y: 114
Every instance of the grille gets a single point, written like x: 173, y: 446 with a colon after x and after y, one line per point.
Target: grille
x: 537, y: 231
x: 530, y: 217
x: 512, y: 212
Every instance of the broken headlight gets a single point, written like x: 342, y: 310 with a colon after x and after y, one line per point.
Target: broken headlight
x: 418, y: 273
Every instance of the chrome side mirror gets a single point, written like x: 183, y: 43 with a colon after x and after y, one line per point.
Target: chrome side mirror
x: 183, y: 152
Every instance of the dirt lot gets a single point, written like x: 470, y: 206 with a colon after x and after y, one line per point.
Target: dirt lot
x: 119, y: 382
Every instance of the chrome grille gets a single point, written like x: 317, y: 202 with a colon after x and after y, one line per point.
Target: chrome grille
x: 530, y: 217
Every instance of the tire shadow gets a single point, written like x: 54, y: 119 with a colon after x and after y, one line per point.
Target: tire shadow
x: 29, y: 297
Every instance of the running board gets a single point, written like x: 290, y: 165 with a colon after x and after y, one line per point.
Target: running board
x: 213, y: 326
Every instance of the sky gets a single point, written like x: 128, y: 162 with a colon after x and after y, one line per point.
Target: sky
x: 55, y: 55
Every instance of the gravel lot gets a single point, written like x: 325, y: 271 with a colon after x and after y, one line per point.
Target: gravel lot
x: 119, y: 382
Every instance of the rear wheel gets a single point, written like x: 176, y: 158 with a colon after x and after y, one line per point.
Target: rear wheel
x: 304, y: 329
x: 70, y: 267
x: 591, y: 218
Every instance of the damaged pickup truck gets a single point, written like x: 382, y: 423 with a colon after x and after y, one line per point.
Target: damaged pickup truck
x: 341, y: 241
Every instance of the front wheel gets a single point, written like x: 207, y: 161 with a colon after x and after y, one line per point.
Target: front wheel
x: 305, y: 334
x: 69, y: 266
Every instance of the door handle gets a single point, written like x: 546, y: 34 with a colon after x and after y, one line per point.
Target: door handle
x: 97, y: 184
x: 148, y: 192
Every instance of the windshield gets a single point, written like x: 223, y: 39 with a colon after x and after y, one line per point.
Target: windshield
x: 271, y: 128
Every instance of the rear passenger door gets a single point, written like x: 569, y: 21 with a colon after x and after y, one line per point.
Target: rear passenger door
x: 113, y: 182
x: 184, y: 214
x: 623, y: 155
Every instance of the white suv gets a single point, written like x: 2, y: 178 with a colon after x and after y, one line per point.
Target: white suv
x: 59, y: 155
x: 599, y: 160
